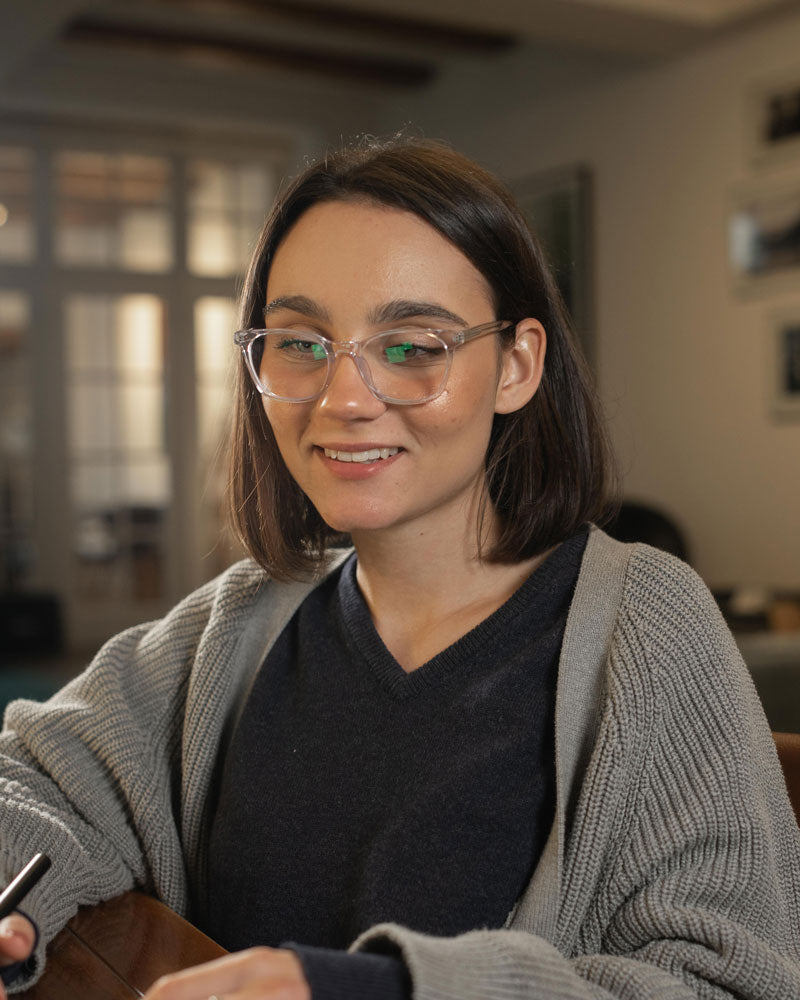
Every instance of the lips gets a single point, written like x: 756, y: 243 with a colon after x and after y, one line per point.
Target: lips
x: 368, y: 455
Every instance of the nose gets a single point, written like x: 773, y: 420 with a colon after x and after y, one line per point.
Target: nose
x: 348, y: 396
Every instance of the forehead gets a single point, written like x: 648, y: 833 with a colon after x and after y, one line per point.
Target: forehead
x: 371, y: 250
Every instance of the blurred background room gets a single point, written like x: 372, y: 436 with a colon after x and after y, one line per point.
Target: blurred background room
x: 655, y: 144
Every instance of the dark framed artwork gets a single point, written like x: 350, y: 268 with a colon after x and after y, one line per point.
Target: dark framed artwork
x: 775, y: 117
x: 764, y: 237
x: 784, y: 365
x: 558, y: 205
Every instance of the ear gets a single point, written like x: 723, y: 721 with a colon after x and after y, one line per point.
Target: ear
x: 522, y: 367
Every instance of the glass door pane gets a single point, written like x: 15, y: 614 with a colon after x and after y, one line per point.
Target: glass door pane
x: 215, y: 358
x: 113, y: 210
x: 119, y: 467
x: 227, y: 204
x: 16, y: 442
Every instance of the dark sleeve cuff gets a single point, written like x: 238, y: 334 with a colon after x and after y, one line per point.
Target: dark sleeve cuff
x: 342, y: 975
x: 8, y: 973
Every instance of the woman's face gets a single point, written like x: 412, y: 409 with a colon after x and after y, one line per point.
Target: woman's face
x: 348, y: 270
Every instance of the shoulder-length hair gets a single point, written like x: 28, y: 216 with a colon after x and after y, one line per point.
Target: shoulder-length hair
x: 548, y: 465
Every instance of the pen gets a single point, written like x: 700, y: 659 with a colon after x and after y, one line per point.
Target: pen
x: 21, y: 884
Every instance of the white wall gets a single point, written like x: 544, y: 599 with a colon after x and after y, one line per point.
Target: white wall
x: 682, y: 354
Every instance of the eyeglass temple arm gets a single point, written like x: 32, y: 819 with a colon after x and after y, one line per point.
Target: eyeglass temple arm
x: 496, y: 326
x: 243, y: 337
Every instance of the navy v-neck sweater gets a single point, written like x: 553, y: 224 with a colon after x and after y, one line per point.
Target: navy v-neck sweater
x: 354, y: 793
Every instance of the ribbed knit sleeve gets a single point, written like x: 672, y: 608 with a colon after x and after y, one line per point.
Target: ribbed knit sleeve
x: 96, y: 777
x: 681, y: 858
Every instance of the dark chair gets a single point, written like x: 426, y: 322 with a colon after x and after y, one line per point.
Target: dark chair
x: 788, y: 745
x: 636, y: 522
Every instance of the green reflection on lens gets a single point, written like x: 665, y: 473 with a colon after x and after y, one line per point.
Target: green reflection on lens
x: 397, y: 353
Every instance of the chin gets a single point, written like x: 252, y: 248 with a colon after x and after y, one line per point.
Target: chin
x: 351, y: 522
x: 350, y: 526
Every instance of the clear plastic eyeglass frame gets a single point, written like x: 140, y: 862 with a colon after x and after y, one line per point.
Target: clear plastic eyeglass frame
x: 354, y: 349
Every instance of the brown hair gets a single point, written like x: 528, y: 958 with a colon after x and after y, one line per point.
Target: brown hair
x: 548, y: 466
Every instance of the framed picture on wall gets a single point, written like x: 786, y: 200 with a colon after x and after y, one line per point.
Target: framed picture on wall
x: 558, y: 205
x: 774, y: 131
x: 764, y: 237
x: 784, y: 366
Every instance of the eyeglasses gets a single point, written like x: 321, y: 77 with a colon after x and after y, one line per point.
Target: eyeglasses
x: 403, y: 366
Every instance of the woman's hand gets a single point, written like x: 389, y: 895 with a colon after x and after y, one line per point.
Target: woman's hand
x: 255, y: 974
x: 17, y: 938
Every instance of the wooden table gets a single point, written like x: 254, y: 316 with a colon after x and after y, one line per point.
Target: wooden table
x: 118, y: 949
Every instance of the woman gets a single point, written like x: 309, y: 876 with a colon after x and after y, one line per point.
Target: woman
x: 491, y: 753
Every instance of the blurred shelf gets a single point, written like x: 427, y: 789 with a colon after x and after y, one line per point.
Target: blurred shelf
x: 773, y: 659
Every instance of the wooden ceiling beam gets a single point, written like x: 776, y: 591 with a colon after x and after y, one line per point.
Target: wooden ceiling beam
x: 286, y: 56
x: 389, y: 26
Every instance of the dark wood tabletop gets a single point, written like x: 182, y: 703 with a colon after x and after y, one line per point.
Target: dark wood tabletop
x: 118, y: 949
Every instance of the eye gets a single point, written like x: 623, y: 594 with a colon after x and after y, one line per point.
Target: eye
x: 411, y: 347
x: 403, y: 352
x: 299, y: 348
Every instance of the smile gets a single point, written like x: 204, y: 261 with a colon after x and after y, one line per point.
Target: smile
x: 360, y: 456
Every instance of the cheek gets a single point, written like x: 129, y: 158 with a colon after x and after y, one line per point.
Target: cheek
x: 461, y: 417
x: 285, y: 424
x: 469, y: 397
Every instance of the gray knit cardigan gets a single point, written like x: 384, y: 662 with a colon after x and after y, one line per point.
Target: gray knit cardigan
x: 673, y: 866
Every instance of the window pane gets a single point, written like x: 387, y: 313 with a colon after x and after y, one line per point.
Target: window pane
x: 214, y: 326
x: 16, y: 442
x: 141, y: 425
x: 121, y: 487
x: 85, y: 235
x: 215, y: 355
x: 256, y: 190
x: 113, y: 210
x: 145, y: 240
x: 215, y: 361
x: 143, y: 180
x: 83, y: 177
x: 210, y: 185
x: 88, y: 319
x: 17, y: 240
x: 247, y: 236
x: 145, y: 484
x: 139, y: 340
x: 227, y: 206
x: 212, y: 246
x: 91, y: 418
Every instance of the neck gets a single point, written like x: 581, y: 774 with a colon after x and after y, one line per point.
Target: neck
x: 427, y: 589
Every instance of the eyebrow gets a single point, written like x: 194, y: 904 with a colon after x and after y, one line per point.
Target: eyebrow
x: 299, y: 304
x: 400, y: 309
x: 390, y: 312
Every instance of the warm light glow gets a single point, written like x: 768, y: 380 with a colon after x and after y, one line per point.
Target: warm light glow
x: 139, y: 334
x: 214, y: 321
x: 3, y: 214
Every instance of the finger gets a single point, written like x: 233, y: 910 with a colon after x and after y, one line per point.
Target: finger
x: 267, y: 991
x: 270, y: 968
x: 17, y: 938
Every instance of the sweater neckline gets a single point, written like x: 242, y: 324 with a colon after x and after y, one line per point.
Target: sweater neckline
x: 541, y: 595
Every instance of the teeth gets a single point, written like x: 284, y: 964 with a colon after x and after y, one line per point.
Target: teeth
x: 360, y: 456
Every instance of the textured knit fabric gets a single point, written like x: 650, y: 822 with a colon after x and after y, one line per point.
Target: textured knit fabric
x: 673, y: 867
x: 356, y: 793
x: 362, y: 975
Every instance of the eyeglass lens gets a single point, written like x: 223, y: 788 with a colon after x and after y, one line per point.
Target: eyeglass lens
x: 400, y: 365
